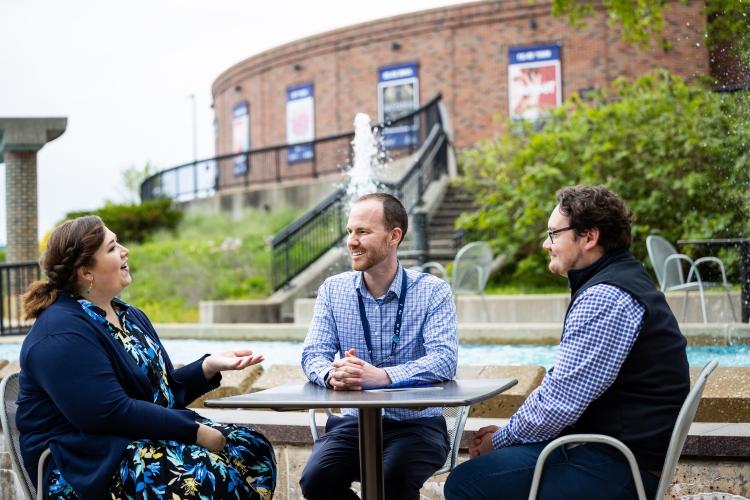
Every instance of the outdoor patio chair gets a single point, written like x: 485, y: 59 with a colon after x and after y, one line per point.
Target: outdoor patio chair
x: 455, y: 420
x: 676, y: 442
x: 470, y: 272
x: 668, y: 268
x: 9, y: 393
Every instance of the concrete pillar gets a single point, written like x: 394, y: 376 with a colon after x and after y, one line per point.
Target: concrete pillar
x: 20, y: 139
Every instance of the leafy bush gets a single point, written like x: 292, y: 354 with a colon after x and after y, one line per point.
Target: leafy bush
x: 677, y: 153
x: 134, y: 223
x: 209, y: 257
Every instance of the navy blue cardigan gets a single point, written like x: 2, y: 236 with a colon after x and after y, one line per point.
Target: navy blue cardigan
x: 82, y: 396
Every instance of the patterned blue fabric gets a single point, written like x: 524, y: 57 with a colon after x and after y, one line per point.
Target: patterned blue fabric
x: 599, y: 332
x: 145, y: 352
x: 426, y: 351
x: 245, y: 469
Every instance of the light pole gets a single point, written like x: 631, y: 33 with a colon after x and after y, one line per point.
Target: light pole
x: 195, y: 130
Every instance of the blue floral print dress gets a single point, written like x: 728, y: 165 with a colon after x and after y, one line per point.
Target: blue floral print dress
x: 151, y: 469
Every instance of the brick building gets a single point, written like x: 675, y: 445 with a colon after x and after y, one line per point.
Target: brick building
x: 464, y: 52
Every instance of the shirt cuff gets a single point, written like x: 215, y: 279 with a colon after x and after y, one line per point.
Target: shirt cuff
x: 323, y: 376
x: 398, y: 375
x: 501, y: 438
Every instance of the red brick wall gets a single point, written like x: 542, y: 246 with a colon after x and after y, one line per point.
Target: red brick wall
x: 461, y: 50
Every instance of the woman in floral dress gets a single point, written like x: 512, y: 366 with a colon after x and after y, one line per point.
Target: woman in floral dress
x: 98, y: 389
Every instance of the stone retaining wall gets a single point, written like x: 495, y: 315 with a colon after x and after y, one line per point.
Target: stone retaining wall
x: 716, y: 455
x: 551, y: 308
x: 725, y: 399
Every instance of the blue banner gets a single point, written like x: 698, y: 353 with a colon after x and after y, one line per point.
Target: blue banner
x: 536, y: 53
x: 534, y: 81
x: 398, y: 95
x: 300, y: 123
x: 240, y: 137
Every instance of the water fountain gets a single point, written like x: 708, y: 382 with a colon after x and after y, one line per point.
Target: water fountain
x: 367, y: 160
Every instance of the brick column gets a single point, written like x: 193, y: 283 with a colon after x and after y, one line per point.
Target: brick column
x: 21, y: 206
x: 20, y: 139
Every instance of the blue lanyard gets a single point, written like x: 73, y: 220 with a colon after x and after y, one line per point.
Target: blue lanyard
x: 396, y: 326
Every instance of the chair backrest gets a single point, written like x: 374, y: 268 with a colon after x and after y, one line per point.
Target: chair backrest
x: 9, y: 394
x: 455, y: 419
x: 659, y: 250
x: 681, y: 428
x: 471, y: 267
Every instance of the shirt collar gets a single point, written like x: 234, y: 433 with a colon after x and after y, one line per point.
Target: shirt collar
x: 394, y: 289
x: 120, y: 306
x: 579, y: 277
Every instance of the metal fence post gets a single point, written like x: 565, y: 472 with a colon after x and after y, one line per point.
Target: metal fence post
x: 421, y: 242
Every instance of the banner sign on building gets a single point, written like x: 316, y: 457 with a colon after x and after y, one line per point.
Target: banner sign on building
x: 240, y: 137
x: 534, y: 81
x: 398, y: 94
x: 300, y: 122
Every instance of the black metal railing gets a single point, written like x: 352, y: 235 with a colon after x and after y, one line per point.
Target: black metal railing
x: 14, y: 280
x: 323, y: 227
x: 272, y: 164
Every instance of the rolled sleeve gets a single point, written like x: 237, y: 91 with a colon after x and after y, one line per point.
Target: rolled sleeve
x: 321, y: 343
x: 440, y: 334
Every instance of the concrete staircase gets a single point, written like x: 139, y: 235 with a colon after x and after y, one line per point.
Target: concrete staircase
x: 441, y: 227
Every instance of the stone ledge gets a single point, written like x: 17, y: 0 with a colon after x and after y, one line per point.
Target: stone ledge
x: 726, y: 398
x: 705, y: 439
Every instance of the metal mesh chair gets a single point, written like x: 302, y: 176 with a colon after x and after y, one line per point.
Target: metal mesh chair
x: 669, y: 273
x: 455, y: 420
x: 676, y: 442
x: 471, y: 271
x: 9, y: 393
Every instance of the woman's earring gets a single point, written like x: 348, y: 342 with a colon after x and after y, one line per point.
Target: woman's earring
x: 91, y: 285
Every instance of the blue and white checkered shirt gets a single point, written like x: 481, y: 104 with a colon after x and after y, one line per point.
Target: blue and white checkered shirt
x: 428, y: 345
x: 599, y: 332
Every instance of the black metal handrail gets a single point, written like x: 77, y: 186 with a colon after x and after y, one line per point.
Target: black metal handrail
x: 324, y: 226
x: 270, y: 164
x: 15, y: 278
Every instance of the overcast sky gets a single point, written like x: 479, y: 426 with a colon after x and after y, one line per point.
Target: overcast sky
x: 122, y: 73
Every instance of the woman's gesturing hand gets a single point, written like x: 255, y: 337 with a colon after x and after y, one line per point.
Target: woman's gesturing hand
x: 210, y: 438
x: 229, y: 360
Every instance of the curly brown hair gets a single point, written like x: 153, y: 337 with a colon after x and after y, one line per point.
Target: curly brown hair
x: 71, y: 246
x: 590, y: 207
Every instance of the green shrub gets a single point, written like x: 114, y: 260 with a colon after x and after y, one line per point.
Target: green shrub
x: 677, y: 153
x: 209, y: 257
x: 135, y: 223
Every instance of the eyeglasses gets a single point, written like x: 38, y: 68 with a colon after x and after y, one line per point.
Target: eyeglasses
x: 551, y: 233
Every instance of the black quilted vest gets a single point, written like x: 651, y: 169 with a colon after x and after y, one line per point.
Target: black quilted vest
x: 641, y: 406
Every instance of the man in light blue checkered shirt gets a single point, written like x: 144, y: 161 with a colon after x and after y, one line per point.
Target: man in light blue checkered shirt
x: 621, y: 370
x: 390, y: 327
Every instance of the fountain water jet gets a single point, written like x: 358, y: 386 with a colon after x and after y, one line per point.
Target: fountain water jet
x: 367, y: 159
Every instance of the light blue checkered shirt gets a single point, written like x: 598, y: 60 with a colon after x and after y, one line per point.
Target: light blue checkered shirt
x: 427, y: 348
x: 599, y: 332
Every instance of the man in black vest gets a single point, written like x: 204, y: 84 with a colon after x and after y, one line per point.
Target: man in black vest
x: 621, y: 370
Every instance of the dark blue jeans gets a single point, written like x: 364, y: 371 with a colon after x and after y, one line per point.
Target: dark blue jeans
x: 582, y: 472
x: 412, y: 451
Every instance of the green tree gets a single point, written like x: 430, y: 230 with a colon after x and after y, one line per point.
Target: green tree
x: 642, y: 21
x: 677, y: 153
x: 131, y: 178
x: 134, y: 222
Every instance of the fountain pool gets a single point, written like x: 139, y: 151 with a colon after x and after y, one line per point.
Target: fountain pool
x: 288, y: 353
